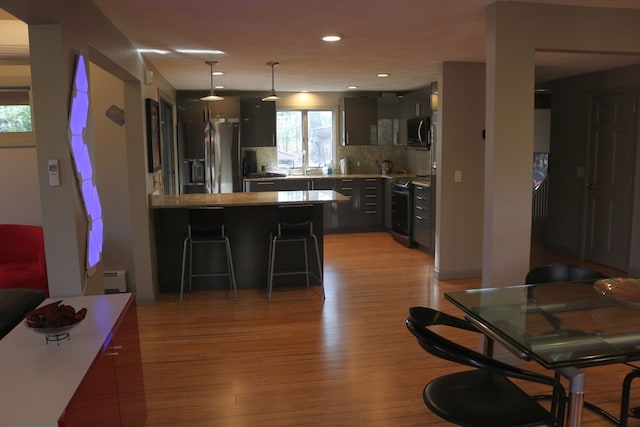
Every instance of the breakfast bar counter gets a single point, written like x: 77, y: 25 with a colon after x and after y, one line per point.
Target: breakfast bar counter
x: 267, y: 198
x: 248, y: 218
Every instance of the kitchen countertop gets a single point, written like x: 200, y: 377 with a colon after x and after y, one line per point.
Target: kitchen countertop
x: 333, y: 176
x: 424, y: 181
x: 246, y: 199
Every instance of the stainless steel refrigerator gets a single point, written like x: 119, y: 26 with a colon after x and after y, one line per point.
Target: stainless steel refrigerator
x: 210, y: 157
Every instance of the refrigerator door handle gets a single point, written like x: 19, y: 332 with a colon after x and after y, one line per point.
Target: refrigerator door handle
x: 208, y: 155
x: 217, y: 159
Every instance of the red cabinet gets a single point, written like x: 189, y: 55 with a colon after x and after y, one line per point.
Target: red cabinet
x: 112, y: 392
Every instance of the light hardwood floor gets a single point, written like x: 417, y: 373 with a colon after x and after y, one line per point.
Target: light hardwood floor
x: 301, y: 361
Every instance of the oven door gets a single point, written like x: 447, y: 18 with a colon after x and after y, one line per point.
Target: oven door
x: 402, y: 214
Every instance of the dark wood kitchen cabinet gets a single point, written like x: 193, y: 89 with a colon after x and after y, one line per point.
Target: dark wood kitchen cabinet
x: 331, y: 210
x: 416, y: 104
x: 276, y: 185
x: 359, y: 120
x: 423, y: 218
x: 362, y: 213
x: 346, y: 213
x: 371, y: 202
x: 389, y: 120
x: 257, y: 122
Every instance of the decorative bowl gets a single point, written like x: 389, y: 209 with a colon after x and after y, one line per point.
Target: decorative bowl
x: 624, y: 290
x: 54, y: 320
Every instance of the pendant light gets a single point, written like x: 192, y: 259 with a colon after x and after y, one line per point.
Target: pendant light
x: 272, y: 96
x: 212, y: 95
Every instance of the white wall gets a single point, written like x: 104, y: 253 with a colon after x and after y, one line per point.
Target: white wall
x: 514, y: 32
x: 79, y: 27
x: 19, y: 187
x: 110, y: 172
x: 459, y: 216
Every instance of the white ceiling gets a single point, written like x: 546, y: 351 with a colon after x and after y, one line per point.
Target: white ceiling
x: 406, y: 38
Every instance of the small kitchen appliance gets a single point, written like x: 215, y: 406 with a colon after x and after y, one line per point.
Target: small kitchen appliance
x: 345, y: 166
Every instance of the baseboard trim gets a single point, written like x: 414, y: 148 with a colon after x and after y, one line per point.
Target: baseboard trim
x: 457, y: 274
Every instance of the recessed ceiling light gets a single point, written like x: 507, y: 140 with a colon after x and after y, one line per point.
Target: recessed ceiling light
x: 383, y: 74
x: 332, y: 38
x: 219, y: 86
x: 217, y: 73
x: 352, y: 87
x: 201, y: 51
x: 157, y: 51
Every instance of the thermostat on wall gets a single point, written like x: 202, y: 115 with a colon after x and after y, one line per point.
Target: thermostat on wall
x: 54, y: 173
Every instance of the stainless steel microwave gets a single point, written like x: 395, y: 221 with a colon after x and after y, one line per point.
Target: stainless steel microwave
x: 418, y: 129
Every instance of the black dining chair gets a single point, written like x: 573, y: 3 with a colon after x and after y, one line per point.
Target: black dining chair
x: 484, y: 395
x: 559, y: 272
x: 295, y: 225
x: 625, y: 410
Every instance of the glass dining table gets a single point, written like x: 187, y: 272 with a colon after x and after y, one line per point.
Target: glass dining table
x: 564, y: 326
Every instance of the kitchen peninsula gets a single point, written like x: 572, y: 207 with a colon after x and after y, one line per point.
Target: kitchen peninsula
x: 248, y: 219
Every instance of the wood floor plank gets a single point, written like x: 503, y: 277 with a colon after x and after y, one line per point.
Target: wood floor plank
x: 302, y: 361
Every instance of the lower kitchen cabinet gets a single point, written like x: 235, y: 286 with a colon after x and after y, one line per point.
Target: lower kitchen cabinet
x: 362, y: 213
x: 276, y: 185
x: 331, y: 215
x: 423, y: 219
x: 371, y: 202
x: 112, y: 392
x: 346, y: 213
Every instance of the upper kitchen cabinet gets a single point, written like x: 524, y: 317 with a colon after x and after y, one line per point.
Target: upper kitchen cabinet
x: 257, y: 122
x: 229, y: 108
x: 192, y: 110
x: 389, y: 120
x: 359, y: 120
x: 416, y: 104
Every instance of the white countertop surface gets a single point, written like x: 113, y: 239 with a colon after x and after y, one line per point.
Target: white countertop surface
x: 39, y: 378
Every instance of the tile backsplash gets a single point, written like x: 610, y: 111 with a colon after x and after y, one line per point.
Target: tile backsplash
x: 366, y: 158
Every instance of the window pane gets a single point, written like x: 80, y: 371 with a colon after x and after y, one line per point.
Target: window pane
x: 289, y: 139
x: 302, y: 130
x: 320, y: 128
x: 15, y: 111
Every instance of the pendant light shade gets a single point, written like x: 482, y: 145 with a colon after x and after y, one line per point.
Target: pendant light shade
x: 212, y: 95
x: 272, y: 96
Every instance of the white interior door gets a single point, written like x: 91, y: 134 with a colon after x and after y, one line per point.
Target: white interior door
x: 610, y: 179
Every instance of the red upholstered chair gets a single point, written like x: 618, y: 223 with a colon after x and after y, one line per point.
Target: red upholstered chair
x: 22, y: 259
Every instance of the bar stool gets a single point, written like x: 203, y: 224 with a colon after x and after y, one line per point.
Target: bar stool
x: 206, y: 227
x: 294, y: 225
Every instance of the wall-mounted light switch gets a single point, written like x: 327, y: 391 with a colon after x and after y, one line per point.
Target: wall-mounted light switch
x: 457, y: 176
